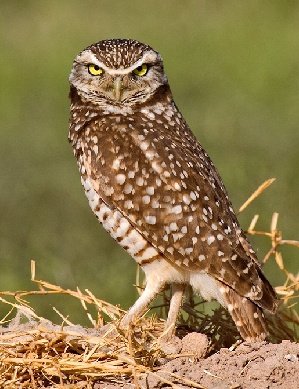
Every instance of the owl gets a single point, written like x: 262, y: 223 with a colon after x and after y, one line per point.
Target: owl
x: 156, y: 191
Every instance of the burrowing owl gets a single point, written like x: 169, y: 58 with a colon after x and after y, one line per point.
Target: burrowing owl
x: 155, y: 190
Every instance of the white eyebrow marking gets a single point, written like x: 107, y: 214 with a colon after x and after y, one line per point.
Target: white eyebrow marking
x: 89, y: 57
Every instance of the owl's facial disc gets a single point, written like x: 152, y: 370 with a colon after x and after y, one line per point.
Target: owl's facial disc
x: 117, y: 84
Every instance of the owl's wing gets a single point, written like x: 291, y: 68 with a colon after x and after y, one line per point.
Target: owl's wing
x: 170, y: 191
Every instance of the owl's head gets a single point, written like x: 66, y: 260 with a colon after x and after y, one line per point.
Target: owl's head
x: 117, y: 72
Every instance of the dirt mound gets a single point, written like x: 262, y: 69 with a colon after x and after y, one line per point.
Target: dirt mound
x: 40, y: 354
x: 249, y: 366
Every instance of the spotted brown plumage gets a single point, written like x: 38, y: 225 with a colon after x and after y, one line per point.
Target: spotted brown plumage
x: 155, y: 190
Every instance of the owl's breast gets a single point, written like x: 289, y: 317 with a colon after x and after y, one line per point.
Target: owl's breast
x: 106, y: 154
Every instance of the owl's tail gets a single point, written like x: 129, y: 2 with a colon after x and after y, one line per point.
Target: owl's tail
x: 248, y: 317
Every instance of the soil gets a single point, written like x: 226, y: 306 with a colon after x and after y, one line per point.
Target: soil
x: 249, y: 366
x: 184, y: 365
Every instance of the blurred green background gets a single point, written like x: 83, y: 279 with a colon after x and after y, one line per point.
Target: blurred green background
x: 233, y: 68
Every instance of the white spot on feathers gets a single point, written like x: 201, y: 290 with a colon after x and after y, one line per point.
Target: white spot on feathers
x: 120, y: 179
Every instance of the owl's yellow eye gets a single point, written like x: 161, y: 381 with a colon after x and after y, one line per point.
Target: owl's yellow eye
x: 94, y: 70
x: 141, y: 70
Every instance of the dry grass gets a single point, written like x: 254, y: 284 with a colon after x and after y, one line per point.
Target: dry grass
x: 36, y: 353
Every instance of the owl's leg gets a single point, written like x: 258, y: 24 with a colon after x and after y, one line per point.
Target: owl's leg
x: 151, y: 290
x: 177, y: 292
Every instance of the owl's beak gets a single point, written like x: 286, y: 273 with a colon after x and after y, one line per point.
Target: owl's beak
x: 118, y: 87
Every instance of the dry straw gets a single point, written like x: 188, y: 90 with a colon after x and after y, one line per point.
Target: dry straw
x: 35, y: 353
